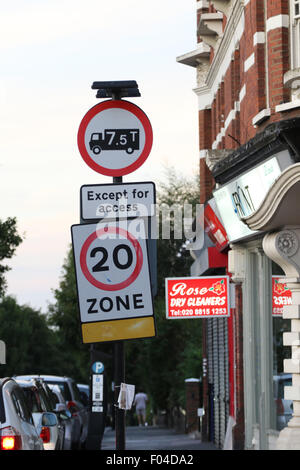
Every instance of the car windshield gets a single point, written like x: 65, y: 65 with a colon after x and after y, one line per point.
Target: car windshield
x: 33, y: 400
x: 50, y: 396
x: 63, y: 387
x: 76, y: 392
x: 47, y: 405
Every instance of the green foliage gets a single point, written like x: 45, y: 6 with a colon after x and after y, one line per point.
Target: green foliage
x: 9, y: 240
x: 173, y: 259
x: 63, y: 315
x: 160, y: 365
x: 30, y: 345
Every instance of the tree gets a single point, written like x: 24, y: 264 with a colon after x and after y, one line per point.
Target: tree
x: 161, y: 364
x: 63, y: 316
x: 9, y: 240
x: 30, y: 345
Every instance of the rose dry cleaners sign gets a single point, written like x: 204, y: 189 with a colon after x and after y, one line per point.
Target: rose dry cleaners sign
x: 281, y: 296
x: 197, y: 297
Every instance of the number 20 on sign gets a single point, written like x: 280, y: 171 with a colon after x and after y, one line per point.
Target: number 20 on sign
x: 113, y: 282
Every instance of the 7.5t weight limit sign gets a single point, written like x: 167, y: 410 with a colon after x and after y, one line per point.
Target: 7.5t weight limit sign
x: 113, y: 282
x: 115, y: 137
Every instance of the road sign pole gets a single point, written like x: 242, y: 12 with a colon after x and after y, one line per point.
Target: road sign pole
x: 126, y: 147
x: 119, y: 376
x: 119, y: 372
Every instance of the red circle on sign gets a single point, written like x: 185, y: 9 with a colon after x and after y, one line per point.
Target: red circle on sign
x: 140, y: 115
x: 134, y: 274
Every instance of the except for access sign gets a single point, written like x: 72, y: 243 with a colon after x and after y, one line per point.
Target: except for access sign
x: 122, y: 200
x: 197, y: 297
x: 113, y: 282
x: 115, y: 137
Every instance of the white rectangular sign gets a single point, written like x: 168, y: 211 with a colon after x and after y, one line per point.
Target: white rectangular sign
x: 112, y: 270
x: 97, y: 388
x: 110, y: 201
x: 241, y: 197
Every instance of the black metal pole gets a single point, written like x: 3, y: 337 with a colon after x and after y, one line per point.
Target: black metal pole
x: 119, y: 367
x: 119, y: 376
x: 117, y: 90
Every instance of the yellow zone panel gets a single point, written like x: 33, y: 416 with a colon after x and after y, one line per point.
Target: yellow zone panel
x: 117, y: 330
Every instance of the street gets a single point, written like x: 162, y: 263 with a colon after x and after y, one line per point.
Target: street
x: 155, y: 438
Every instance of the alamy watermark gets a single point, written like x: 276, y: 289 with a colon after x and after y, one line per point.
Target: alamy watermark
x: 179, y: 221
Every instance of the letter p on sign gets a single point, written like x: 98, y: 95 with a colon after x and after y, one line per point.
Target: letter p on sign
x: 98, y: 367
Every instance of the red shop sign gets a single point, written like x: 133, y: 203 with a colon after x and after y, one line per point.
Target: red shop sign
x: 281, y: 296
x: 214, y: 228
x: 197, y: 297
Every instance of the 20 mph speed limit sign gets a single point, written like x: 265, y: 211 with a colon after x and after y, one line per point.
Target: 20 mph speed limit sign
x: 115, y: 137
x: 113, y: 281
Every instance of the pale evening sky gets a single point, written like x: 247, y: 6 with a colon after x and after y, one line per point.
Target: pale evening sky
x: 51, y: 52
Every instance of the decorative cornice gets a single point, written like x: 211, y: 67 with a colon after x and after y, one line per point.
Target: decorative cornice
x: 231, y: 34
x: 224, y: 6
x: 196, y: 57
x: 280, y: 206
x: 210, y: 28
x: 283, y: 248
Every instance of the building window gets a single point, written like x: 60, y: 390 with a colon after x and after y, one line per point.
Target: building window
x: 296, y: 8
x: 295, y: 33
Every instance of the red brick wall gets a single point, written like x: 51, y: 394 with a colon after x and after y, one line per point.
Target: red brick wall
x: 206, y: 131
x: 227, y: 97
x: 206, y: 182
x: 242, y: 93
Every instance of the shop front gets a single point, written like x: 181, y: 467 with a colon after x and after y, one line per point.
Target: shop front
x: 257, y: 196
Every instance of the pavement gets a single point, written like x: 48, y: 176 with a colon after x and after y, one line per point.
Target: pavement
x: 154, y: 438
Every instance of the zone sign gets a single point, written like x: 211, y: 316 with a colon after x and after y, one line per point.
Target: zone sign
x: 115, y: 137
x: 113, y: 281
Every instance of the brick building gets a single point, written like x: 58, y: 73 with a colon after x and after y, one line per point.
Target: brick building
x: 247, y: 63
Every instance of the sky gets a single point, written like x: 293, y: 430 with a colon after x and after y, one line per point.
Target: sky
x: 51, y: 52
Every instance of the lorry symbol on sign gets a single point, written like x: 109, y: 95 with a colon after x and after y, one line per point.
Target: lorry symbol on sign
x: 115, y: 139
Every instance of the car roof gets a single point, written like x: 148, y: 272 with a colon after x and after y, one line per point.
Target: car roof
x: 58, y: 378
x: 45, y: 377
x: 25, y: 383
x: 5, y: 380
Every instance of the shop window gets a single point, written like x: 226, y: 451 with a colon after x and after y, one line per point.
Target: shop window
x: 280, y: 325
x: 296, y: 8
x: 295, y: 33
x: 283, y: 408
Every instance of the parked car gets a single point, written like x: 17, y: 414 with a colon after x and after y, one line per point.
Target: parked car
x: 71, y: 394
x: 64, y: 416
x: 17, y: 429
x: 284, y: 408
x: 71, y: 425
x: 45, y: 420
x: 84, y: 393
